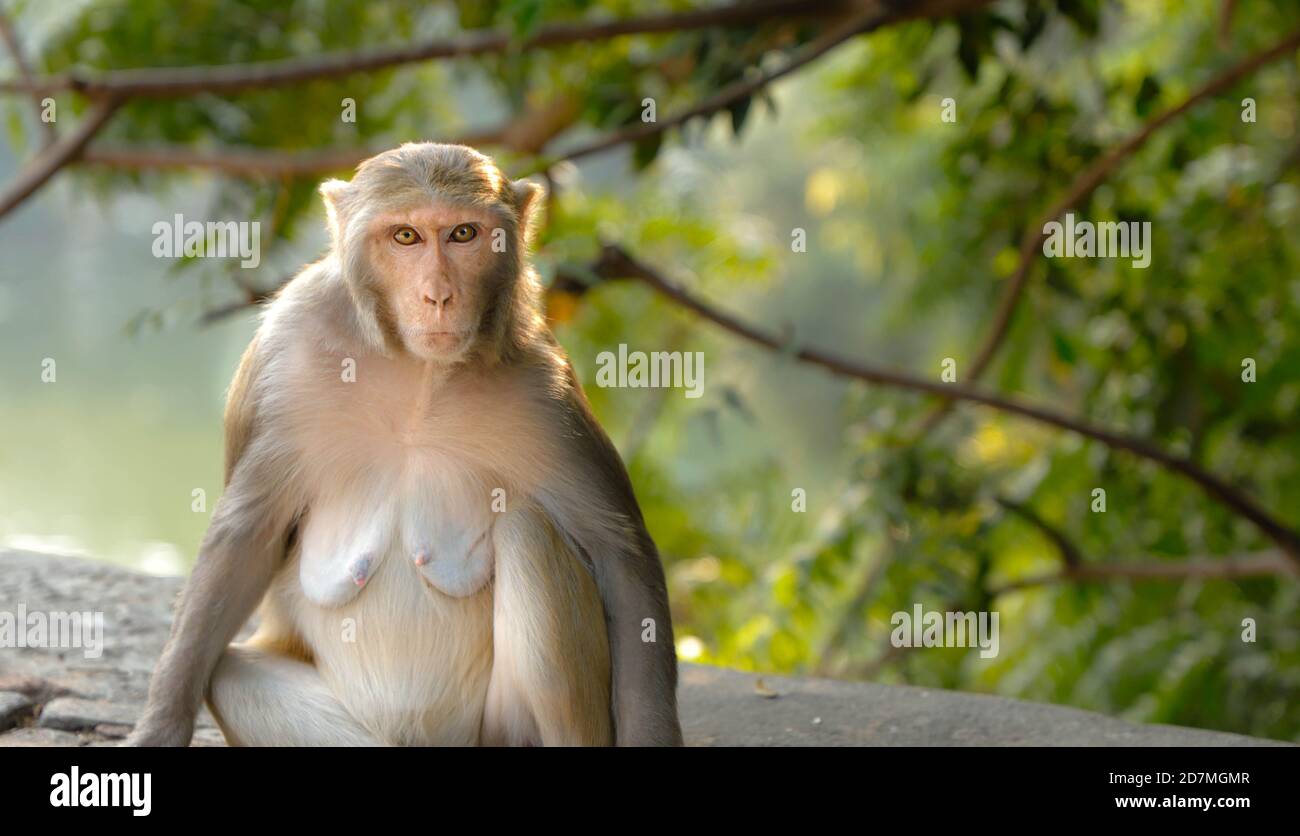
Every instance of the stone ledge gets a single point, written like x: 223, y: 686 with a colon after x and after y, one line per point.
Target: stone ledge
x: 61, y: 698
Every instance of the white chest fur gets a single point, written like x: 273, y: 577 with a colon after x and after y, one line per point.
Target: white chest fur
x: 440, y: 520
x: 388, y: 477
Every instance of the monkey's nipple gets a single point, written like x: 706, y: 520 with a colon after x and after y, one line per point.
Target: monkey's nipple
x: 360, y: 570
x: 421, y: 557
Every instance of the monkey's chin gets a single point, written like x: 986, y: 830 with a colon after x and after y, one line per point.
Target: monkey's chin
x: 438, y: 346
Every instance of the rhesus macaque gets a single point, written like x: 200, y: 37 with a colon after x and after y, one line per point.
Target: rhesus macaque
x: 444, y: 543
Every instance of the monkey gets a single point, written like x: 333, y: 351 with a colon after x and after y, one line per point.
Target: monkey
x: 441, y: 543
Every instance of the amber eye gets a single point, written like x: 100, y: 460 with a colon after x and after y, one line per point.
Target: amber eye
x: 406, y: 236
x: 464, y: 233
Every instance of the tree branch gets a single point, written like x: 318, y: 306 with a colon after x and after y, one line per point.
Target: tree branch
x: 1266, y: 565
x: 169, y: 82
x: 252, y: 162
x: 15, y: 47
x: 615, y: 262
x: 252, y: 298
x: 44, y: 166
x: 525, y: 134
x: 1076, y: 570
x: 236, y: 162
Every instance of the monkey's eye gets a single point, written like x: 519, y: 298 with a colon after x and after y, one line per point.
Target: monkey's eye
x: 464, y: 233
x: 406, y: 236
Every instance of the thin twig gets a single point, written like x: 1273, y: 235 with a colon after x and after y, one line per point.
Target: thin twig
x: 1267, y: 565
x: 1069, y: 551
x: 235, y: 162
x: 15, y: 47
x: 849, y: 616
x: 1225, y: 22
x: 252, y: 162
x: 252, y: 298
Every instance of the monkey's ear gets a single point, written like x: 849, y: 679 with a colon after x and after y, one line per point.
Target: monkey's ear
x: 335, y: 193
x: 528, y: 195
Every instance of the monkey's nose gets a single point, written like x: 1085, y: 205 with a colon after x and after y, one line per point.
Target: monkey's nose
x: 437, y: 297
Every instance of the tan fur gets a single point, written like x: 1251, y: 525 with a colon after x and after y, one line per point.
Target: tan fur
x: 554, y: 692
x: 550, y: 650
x: 239, y: 408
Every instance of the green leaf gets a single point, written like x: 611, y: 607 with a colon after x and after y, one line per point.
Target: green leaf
x: 1064, y: 349
x: 646, y: 149
x: 1085, y: 14
x: 739, y: 111
x: 1147, y: 96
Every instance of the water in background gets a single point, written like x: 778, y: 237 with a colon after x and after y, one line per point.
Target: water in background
x: 105, y: 460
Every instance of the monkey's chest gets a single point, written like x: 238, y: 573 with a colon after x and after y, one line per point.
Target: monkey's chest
x: 438, y: 523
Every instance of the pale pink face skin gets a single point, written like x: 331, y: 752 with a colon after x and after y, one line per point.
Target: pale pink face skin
x: 435, y: 285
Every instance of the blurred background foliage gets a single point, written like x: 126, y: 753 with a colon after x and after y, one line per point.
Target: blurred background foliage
x: 912, y: 227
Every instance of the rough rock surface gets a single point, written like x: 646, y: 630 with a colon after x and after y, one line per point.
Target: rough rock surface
x: 63, y: 697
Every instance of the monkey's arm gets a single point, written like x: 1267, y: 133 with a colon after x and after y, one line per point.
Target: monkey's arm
x: 629, y: 576
x: 240, y: 553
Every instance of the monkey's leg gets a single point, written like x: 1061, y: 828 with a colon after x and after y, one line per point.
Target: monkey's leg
x: 260, y: 698
x: 550, y: 668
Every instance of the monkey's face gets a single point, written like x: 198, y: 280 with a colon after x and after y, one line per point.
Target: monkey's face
x: 437, y: 273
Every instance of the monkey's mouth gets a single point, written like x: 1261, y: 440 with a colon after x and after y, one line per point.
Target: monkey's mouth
x: 438, y: 338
